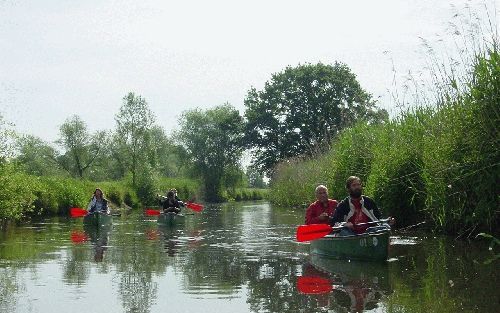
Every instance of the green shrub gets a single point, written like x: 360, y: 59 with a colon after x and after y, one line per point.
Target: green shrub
x: 16, y: 193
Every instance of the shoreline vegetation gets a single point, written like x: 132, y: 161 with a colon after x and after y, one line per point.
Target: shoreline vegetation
x: 438, y: 162
x: 25, y: 195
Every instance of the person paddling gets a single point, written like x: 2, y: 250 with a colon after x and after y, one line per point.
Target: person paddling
x: 171, y: 203
x: 320, y: 211
x: 356, y: 209
x: 98, y: 203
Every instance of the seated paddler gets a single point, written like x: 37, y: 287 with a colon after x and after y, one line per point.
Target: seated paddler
x: 98, y: 203
x: 321, y: 211
x: 356, y: 212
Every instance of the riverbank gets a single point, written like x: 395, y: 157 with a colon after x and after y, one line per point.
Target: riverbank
x: 24, y: 195
x: 438, y: 162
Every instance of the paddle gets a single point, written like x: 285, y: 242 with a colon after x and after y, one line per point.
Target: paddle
x: 194, y: 206
x: 77, y: 212
x: 316, y: 231
x: 152, y: 212
x: 313, y: 285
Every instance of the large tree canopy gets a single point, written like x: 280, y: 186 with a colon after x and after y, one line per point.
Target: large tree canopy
x: 213, y: 141
x: 301, y: 109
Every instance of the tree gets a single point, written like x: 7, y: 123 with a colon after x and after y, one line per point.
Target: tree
x: 213, y: 142
x: 255, y: 179
x: 6, y: 140
x: 133, y: 133
x: 301, y: 109
x: 165, y: 157
x: 38, y: 157
x: 82, y: 149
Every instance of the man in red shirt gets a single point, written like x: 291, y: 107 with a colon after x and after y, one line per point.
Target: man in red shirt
x: 320, y: 211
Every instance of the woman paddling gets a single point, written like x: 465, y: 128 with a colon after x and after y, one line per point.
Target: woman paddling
x: 98, y: 203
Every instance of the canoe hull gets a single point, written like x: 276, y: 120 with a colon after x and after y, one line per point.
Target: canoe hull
x: 369, y: 247
x: 170, y: 219
x: 97, y: 219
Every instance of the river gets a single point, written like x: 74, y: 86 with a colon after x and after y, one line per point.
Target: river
x: 238, y: 257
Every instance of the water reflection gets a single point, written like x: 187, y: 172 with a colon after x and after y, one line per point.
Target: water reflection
x: 357, y: 286
x: 171, y: 242
x: 98, y: 236
x: 230, y: 258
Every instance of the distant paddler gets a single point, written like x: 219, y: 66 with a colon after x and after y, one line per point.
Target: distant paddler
x: 171, y: 203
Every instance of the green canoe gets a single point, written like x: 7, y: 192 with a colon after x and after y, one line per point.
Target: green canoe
x: 97, y: 219
x: 369, y: 246
x: 170, y: 219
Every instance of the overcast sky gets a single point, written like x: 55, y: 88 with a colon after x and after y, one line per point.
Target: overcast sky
x: 59, y: 58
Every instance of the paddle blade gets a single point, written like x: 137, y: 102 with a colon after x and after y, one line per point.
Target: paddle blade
x: 152, y: 212
x: 312, y: 231
x: 194, y: 206
x: 313, y: 285
x: 77, y: 212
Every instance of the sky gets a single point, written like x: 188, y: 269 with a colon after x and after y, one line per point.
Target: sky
x: 61, y: 58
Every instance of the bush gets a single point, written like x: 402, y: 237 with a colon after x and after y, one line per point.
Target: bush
x: 16, y: 193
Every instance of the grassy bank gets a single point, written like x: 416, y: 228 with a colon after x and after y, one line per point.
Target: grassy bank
x: 24, y: 195
x: 27, y: 195
x: 438, y: 162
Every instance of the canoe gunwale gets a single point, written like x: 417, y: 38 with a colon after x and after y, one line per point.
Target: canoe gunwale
x: 97, y: 219
x: 365, y: 247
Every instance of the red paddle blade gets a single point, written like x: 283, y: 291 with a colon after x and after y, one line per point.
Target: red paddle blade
x: 77, y: 212
x: 78, y: 237
x: 313, y: 285
x: 313, y: 231
x: 194, y: 206
x: 152, y: 212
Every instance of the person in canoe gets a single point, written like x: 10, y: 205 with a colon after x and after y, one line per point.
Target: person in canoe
x: 356, y: 209
x: 98, y: 203
x: 175, y: 194
x: 321, y: 211
x: 171, y: 203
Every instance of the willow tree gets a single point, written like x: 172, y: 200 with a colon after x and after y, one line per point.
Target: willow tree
x: 213, y: 141
x: 134, y: 123
x: 82, y: 148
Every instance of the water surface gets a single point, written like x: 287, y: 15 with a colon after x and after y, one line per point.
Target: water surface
x: 239, y: 257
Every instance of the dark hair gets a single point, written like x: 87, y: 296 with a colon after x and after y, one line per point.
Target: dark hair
x: 170, y: 194
x: 350, y: 180
x: 102, y: 193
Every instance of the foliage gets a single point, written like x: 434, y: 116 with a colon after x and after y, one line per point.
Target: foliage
x: 37, y: 157
x: 6, y: 140
x: 212, y: 139
x: 133, y: 133
x: 187, y: 189
x: 16, y: 194
x: 302, y: 109
x: 246, y: 194
x: 255, y: 179
x: 146, y: 187
x: 82, y: 149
